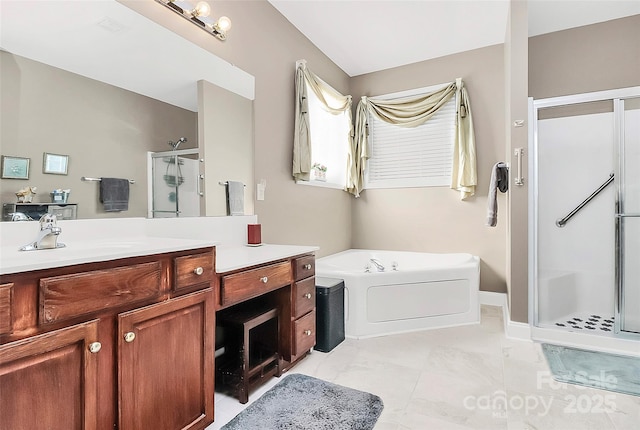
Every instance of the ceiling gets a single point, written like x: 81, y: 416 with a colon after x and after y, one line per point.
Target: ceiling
x: 363, y: 36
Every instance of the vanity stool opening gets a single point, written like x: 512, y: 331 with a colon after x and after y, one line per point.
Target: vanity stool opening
x: 251, y: 349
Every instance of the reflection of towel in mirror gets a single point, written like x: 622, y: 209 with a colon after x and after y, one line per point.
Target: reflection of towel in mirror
x: 499, y: 181
x: 114, y: 194
x: 235, y: 198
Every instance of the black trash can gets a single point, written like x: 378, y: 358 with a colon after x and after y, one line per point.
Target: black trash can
x: 329, y: 313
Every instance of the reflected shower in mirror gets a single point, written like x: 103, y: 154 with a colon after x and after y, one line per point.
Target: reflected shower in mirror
x: 175, y: 183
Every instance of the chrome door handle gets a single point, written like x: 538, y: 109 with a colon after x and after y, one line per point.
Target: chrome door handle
x: 519, y: 179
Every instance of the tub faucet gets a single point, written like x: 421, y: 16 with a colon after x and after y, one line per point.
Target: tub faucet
x: 47, y: 236
x: 378, y: 264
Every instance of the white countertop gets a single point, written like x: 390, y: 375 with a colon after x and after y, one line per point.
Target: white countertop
x: 230, y: 258
x: 13, y: 261
x: 109, y: 239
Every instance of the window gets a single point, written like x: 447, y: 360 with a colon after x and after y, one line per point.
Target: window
x: 329, y: 143
x: 419, y: 156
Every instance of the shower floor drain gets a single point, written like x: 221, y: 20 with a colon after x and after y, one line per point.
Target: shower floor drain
x: 587, y: 323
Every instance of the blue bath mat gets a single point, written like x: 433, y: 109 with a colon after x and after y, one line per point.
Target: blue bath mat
x: 610, y: 372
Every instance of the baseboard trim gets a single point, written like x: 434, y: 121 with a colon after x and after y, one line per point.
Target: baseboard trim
x: 512, y: 329
x: 491, y: 298
x: 517, y: 331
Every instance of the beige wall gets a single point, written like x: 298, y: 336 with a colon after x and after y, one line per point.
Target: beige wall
x: 516, y: 59
x: 268, y: 49
x: 225, y: 135
x: 105, y: 131
x: 434, y: 219
x: 591, y: 58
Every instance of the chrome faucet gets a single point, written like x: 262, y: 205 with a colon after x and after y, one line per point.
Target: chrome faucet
x: 378, y: 264
x: 47, y: 236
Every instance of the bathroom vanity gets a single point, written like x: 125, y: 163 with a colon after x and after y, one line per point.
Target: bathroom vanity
x: 123, y: 337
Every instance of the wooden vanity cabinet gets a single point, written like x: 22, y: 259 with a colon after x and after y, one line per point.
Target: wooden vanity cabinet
x: 50, y: 381
x: 303, y: 306
x: 164, y: 367
x: 6, y: 308
x: 289, y: 286
x: 70, y: 362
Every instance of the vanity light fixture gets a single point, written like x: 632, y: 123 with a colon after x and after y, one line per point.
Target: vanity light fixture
x: 199, y: 14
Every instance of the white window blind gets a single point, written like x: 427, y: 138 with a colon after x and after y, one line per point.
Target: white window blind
x: 412, y: 156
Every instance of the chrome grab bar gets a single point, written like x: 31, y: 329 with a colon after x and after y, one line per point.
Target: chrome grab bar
x: 519, y: 179
x: 561, y: 222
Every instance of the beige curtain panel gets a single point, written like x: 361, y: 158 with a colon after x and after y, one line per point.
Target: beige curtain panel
x: 331, y: 100
x: 412, y: 112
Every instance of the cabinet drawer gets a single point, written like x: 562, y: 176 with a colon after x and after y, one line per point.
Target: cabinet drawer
x: 191, y: 270
x: 6, y: 298
x: 304, y: 333
x: 304, y: 296
x: 251, y: 283
x: 69, y: 296
x: 304, y: 267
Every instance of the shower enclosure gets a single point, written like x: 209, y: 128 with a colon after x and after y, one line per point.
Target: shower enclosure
x: 585, y: 220
x: 175, y: 184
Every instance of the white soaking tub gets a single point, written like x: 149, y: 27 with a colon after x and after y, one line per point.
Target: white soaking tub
x: 416, y: 291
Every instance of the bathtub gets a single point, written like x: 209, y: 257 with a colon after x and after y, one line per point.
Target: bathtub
x: 423, y: 291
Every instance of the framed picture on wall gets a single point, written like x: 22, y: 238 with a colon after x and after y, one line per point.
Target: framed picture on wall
x: 15, y: 167
x: 55, y: 164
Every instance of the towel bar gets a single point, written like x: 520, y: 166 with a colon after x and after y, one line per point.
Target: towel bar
x: 86, y: 178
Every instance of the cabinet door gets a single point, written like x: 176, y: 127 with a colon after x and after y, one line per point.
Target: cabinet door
x: 165, y: 364
x: 49, y: 381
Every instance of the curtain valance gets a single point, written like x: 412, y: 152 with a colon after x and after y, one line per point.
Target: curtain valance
x: 412, y: 112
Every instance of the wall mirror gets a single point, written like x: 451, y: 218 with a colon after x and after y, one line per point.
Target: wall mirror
x: 106, y: 86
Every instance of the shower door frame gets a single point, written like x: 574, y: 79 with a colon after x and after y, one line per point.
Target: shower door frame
x: 620, y: 341
x: 174, y: 153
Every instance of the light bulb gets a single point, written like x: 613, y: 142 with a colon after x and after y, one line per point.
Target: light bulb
x: 223, y: 24
x: 202, y: 9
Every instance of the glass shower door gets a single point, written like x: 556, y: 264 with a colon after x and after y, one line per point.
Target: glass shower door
x: 575, y: 271
x: 175, y: 185
x: 628, y: 217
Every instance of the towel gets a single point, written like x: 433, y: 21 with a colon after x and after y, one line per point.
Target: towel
x: 235, y: 198
x: 499, y: 181
x: 114, y: 194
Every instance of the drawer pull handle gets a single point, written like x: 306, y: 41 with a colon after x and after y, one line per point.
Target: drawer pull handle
x: 264, y: 279
x: 307, y: 266
x: 198, y: 271
x: 307, y: 332
x: 129, y: 336
x: 95, y: 347
x: 307, y: 296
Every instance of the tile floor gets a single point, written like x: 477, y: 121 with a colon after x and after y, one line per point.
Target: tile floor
x: 469, y: 377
